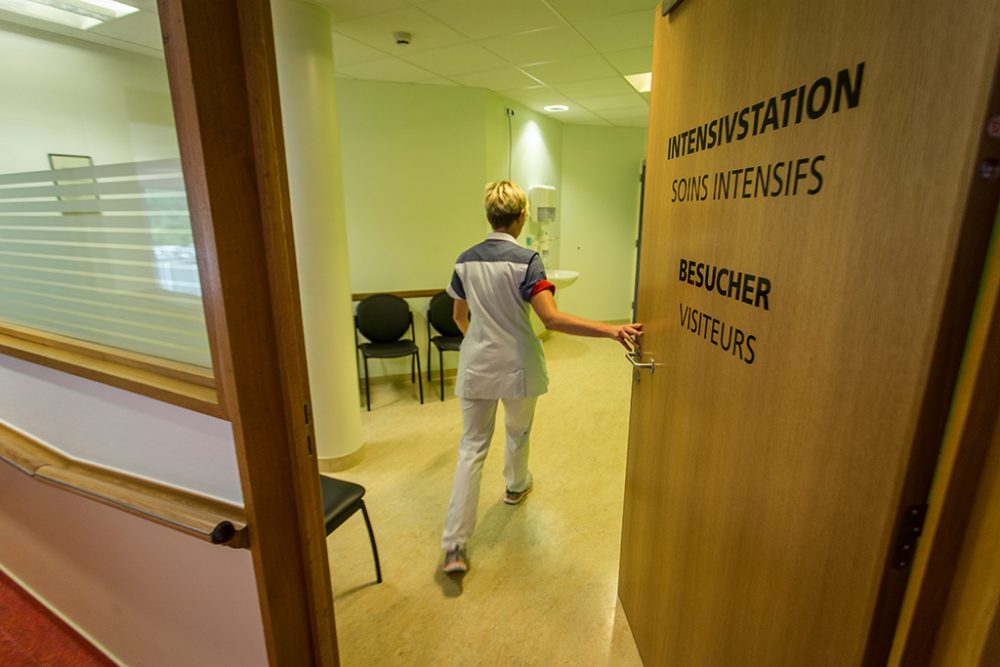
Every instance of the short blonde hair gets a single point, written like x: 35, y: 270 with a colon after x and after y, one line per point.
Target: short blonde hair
x: 504, y: 203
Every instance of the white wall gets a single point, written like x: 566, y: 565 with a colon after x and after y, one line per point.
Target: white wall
x: 119, y: 429
x: 600, y: 216
x: 534, y: 142
x: 65, y: 96
x: 413, y: 160
x: 143, y: 593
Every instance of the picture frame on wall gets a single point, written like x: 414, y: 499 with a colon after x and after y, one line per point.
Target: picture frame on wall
x: 59, y: 161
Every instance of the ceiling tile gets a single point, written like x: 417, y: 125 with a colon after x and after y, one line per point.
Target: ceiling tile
x: 595, y: 88
x: 579, y: 117
x: 459, y: 59
x: 439, y: 81
x: 387, y: 69
x: 620, y: 32
x: 574, y: 69
x: 631, y: 122
x: 344, y: 10
x: 632, y: 61
x: 581, y: 10
x: 376, y: 30
x: 478, y: 19
x: 629, y: 101
x: 347, y: 51
x: 501, y: 79
x: 538, y: 46
x: 537, y: 97
x: 623, y: 114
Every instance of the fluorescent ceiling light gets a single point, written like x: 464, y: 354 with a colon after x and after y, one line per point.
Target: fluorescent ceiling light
x: 556, y: 107
x: 641, y: 82
x: 81, y: 14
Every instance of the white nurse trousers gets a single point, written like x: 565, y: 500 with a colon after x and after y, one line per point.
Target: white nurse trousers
x: 478, y: 421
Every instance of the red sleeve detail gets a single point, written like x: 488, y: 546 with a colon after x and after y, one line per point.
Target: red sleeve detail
x: 541, y: 286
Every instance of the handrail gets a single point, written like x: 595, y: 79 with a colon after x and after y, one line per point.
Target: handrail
x: 206, y: 518
x: 404, y: 294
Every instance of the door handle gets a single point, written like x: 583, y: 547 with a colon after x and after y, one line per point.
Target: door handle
x: 634, y: 359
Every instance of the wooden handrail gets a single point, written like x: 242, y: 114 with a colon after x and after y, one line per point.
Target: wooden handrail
x: 206, y: 518
x: 405, y: 294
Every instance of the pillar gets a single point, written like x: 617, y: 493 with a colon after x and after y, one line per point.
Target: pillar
x: 304, y: 51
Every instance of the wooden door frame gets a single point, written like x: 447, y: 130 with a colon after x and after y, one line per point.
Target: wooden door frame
x: 223, y: 81
x: 898, y: 620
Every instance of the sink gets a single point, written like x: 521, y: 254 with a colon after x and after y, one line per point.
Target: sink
x: 562, y: 278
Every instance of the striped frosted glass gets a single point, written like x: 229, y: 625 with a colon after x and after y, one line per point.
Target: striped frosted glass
x: 103, y: 254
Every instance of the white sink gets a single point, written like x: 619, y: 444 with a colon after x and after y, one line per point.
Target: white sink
x: 562, y: 278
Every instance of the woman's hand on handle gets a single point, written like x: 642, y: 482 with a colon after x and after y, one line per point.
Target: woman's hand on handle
x: 627, y: 334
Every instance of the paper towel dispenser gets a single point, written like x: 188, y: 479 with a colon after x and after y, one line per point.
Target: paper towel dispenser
x: 542, y: 200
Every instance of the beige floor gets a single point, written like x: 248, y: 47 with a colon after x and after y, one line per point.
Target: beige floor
x: 541, y: 589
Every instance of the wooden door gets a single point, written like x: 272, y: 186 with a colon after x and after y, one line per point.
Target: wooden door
x: 810, y: 256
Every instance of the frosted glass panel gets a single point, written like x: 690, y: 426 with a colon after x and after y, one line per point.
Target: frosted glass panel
x: 95, y: 237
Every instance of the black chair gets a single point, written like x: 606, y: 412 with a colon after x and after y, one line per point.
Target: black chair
x: 440, y: 315
x: 342, y: 499
x: 383, y: 319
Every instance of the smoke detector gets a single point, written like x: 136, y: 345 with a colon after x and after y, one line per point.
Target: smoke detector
x: 402, y: 37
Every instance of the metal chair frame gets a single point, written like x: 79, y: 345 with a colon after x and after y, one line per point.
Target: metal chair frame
x: 442, y: 342
x: 414, y: 353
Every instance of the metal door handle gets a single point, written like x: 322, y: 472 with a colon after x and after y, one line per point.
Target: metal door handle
x: 634, y: 357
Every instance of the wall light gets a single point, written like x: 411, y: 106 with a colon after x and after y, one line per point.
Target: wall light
x: 642, y: 82
x: 81, y: 14
x: 556, y: 107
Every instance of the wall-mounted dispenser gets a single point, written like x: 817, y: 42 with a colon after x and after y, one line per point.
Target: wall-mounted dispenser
x: 542, y: 200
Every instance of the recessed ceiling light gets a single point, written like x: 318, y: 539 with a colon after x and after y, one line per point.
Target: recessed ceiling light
x: 642, y: 82
x: 556, y: 107
x: 82, y: 14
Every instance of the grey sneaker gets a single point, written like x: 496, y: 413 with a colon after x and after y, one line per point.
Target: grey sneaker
x: 514, y: 497
x: 455, y: 561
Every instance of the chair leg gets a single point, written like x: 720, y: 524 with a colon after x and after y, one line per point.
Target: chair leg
x: 368, y: 395
x: 428, y: 346
x: 420, y: 379
x: 371, y: 536
x: 413, y: 367
x: 441, y: 367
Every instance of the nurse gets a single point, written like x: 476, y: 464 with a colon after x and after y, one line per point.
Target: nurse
x: 501, y: 359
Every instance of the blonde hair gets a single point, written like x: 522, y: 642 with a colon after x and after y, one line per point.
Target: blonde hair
x: 504, y: 203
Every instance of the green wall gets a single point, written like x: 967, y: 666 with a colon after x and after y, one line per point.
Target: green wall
x: 600, y: 218
x: 416, y: 159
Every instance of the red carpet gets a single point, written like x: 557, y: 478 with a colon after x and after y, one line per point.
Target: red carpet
x: 31, y: 636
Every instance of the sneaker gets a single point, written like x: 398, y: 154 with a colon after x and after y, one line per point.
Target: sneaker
x: 455, y: 562
x: 514, y: 497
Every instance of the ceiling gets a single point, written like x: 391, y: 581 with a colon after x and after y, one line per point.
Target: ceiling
x: 536, y: 52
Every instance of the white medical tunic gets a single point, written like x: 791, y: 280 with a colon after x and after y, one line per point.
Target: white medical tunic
x: 500, y: 357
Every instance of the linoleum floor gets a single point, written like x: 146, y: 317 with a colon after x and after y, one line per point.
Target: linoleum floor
x: 542, y: 584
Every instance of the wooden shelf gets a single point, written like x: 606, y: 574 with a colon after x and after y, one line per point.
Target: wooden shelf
x: 196, y: 515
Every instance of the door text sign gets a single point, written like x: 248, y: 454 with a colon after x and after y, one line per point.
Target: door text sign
x: 781, y: 178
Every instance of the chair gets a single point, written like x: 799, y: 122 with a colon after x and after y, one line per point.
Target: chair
x: 440, y: 315
x: 342, y: 499
x: 383, y: 319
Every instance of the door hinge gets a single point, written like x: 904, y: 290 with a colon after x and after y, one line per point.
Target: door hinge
x: 911, y: 524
